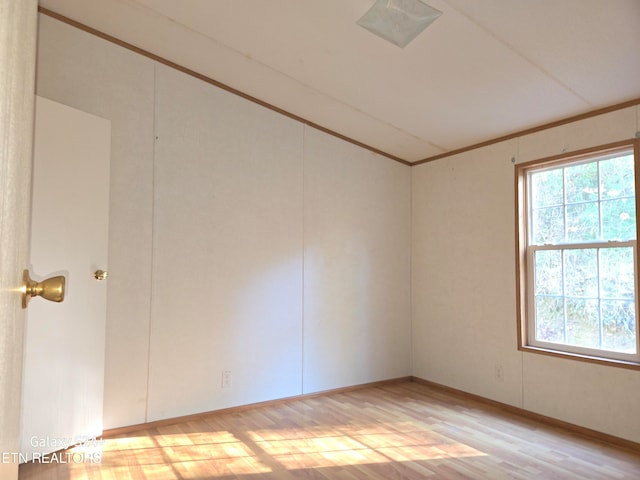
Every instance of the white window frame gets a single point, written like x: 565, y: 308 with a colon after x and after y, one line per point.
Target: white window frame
x: 525, y: 255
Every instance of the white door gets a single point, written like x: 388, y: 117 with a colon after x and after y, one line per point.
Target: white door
x: 63, y: 382
x: 18, y: 65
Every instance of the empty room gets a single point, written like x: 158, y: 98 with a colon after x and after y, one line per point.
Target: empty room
x: 328, y: 239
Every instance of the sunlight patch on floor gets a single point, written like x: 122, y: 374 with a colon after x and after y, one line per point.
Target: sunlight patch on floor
x: 184, y: 455
x: 355, y: 445
x: 213, y: 454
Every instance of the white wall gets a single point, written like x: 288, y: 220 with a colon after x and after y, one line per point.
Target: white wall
x: 356, y: 265
x: 218, y: 256
x: 227, y: 278
x: 463, y: 273
x: 464, y: 315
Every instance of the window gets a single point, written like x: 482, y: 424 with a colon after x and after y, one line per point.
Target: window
x: 577, y: 255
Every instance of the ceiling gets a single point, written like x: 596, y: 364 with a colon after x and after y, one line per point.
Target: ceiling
x: 483, y: 70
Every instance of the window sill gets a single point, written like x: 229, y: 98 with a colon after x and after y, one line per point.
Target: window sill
x: 581, y: 358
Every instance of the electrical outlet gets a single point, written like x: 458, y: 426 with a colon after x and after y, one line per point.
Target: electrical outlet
x: 226, y: 379
x: 499, y: 373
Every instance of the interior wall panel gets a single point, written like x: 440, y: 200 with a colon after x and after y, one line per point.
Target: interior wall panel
x: 90, y: 74
x: 227, y: 290
x: 594, y: 396
x: 463, y: 283
x: 356, y: 265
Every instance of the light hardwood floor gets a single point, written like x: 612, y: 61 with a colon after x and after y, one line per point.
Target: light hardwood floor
x: 397, y: 431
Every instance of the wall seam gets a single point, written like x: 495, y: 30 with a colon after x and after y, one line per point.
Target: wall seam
x: 411, y: 332
x: 304, y: 135
x: 153, y: 228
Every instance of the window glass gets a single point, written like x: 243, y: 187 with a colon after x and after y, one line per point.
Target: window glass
x: 581, y: 256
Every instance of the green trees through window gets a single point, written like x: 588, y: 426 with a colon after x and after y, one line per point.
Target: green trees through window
x: 584, y: 202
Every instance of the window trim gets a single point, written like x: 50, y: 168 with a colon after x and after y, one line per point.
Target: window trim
x: 521, y: 232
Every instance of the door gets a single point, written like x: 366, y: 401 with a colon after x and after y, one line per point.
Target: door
x: 63, y: 382
x: 17, y: 64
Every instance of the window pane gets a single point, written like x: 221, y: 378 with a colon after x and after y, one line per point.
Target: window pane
x: 548, y: 272
x: 616, y: 273
x: 581, y: 183
x: 546, y: 188
x: 549, y: 319
x: 617, y: 177
x: 619, y: 326
x: 583, y: 326
x: 581, y: 226
x: 583, y: 222
x: 548, y: 225
x: 581, y: 273
x: 619, y: 219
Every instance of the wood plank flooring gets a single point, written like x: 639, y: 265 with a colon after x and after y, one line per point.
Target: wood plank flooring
x: 397, y: 431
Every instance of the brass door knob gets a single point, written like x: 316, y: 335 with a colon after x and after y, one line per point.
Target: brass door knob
x: 100, y: 274
x: 51, y: 289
